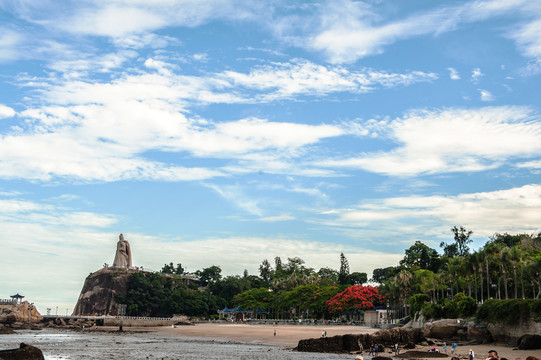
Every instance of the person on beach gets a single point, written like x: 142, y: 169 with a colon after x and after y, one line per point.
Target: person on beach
x: 322, y: 333
x: 360, y: 346
x: 453, y: 348
x: 396, y: 348
x: 445, y: 347
x: 471, y: 354
x: 371, y: 350
x: 274, y: 332
x: 376, y: 349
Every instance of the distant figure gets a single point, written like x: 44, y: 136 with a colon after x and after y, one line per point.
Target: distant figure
x: 274, y: 332
x: 123, y: 253
x: 471, y: 354
x: 453, y: 348
x: 445, y: 347
x: 322, y: 333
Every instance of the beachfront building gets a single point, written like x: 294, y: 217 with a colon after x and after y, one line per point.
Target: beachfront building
x: 376, y: 318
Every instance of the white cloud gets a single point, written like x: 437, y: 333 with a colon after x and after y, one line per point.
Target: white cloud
x: 6, y: 112
x: 276, y: 218
x: 486, y: 95
x: 101, y: 130
x: 118, y: 18
x: 511, y: 210
x: 452, y: 140
x: 476, y: 75
x: 350, y: 30
x: 453, y: 74
x: 9, y: 44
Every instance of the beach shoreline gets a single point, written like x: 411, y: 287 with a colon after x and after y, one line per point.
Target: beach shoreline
x: 289, y: 335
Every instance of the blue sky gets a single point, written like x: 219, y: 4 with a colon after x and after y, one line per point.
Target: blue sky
x: 227, y: 132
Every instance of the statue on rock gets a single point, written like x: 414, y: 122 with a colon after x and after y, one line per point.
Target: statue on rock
x: 123, y: 253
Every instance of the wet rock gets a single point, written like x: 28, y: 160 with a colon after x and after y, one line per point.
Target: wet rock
x: 24, y: 352
x: 351, y: 342
x: 529, y: 342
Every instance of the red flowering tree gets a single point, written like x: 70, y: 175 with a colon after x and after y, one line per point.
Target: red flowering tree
x: 354, y: 298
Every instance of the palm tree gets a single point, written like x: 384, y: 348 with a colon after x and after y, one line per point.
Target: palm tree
x: 403, y: 279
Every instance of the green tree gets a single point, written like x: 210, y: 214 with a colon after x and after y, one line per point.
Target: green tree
x: 265, y: 270
x: 172, y: 270
x: 379, y: 275
x: 357, y: 278
x: 343, y: 274
x: 420, y: 256
x: 211, y: 274
x: 327, y: 277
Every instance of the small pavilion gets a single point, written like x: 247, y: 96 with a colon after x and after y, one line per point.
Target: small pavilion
x: 17, y: 298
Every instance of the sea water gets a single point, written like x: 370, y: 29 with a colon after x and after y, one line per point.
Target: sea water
x: 63, y: 344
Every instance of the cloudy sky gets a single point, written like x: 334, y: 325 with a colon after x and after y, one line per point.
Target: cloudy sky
x: 225, y: 132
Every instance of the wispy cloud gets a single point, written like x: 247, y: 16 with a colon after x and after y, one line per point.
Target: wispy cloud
x: 453, y: 74
x: 486, y: 95
x: 485, y: 213
x: 353, y: 30
x: 453, y: 140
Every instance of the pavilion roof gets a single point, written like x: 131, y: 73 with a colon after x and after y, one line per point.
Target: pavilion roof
x: 17, y: 296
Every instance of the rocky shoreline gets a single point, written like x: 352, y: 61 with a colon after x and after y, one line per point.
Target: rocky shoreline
x: 411, y: 335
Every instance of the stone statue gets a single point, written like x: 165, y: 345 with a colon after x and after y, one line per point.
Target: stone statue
x: 123, y: 253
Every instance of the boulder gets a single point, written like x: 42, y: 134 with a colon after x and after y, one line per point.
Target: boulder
x: 444, y: 329
x: 351, y: 342
x: 24, y: 352
x: 478, y: 333
x: 529, y: 342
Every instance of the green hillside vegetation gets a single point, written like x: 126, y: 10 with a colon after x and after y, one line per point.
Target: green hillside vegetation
x: 503, y: 275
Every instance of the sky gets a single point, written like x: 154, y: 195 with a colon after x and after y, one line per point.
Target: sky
x: 226, y: 132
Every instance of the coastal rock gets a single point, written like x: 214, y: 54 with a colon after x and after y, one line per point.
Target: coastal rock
x: 24, y: 352
x: 478, y: 333
x: 98, y: 296
x: 23, y: 312
x: 351, y: 342
x: 444, y: 329
x: 529, y: 342
x: 512, y: 333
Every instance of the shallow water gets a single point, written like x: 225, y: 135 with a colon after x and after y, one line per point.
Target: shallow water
x: 61, y: 345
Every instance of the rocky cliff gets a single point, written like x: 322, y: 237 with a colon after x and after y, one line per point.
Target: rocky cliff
x: 98, y: 296
x: 23, y: 312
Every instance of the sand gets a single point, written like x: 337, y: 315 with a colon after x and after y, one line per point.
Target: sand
x: 289, y: 336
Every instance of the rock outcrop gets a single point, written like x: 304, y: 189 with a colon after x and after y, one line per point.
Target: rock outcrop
x: 351, y: 342
x: 22, y: 313
x: 98, y: 296
x: 529, y: 342
x: 511, y: 334
x: 24, y: 352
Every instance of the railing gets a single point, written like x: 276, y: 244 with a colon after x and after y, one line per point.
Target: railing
x: 8, y: 301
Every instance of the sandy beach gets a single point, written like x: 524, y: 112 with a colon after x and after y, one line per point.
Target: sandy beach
x: 289, y: 336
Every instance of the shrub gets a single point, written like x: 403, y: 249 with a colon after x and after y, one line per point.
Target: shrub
x: 417, y: 301
x: 465, y: 305
x: 509, y: 312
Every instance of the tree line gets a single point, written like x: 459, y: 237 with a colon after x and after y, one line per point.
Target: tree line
x: 451, y: 283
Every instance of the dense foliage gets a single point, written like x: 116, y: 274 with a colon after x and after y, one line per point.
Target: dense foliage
x: 506, y: 267
x: 448, y: 285
x: 510, y: 312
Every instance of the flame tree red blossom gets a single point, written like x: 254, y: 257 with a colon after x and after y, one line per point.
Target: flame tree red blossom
x: 355, y: 298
